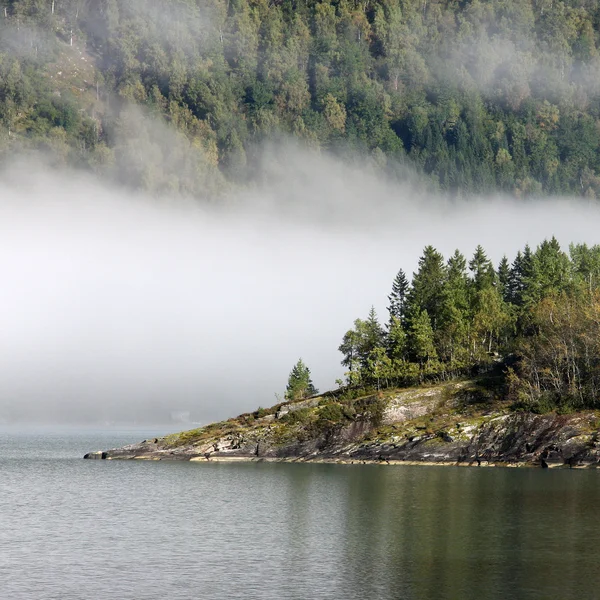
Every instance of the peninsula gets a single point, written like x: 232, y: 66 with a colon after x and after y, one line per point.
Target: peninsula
x: 454, y: 423
x: 495, y: 366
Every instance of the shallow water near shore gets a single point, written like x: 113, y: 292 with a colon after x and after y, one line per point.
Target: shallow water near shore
x: 75, y: 529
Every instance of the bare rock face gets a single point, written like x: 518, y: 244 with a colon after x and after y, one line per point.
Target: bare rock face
x: 452, y: 423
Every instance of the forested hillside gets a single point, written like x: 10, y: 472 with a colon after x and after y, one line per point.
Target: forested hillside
x: 476, y: 96
x: 537, y: 317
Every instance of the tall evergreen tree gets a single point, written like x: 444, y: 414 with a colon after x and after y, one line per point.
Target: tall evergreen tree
x: 300, y: 384
x: 515, y: 280
x: 504, y: 279
x: 397, y: 298
x: 426, y: 293
x: 482, y: 270
x: 452, y: 333
x: 550, y: 271
x: 374, y: 333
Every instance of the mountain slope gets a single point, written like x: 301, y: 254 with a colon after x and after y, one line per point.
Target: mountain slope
x: 474, y: 96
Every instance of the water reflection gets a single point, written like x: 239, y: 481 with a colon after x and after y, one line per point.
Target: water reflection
x: 106, y: 529
x: 422, y: 533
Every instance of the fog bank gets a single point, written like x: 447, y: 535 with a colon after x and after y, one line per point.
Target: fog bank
x: 121, y: 308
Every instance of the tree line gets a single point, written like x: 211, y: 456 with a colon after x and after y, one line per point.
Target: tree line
x: 476, y: 96
x: 459, y: 316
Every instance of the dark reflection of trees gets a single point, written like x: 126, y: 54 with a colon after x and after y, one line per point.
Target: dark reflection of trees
x: 418, y: 533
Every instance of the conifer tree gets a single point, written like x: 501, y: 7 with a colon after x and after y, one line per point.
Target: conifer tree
x: 522, y: 276
x: 397, y: 298
x: 454, y: 323
x: 482, y: 269
x: 550, y: 270
x: 515, y: 280
x: 300, y: 384
x: 374, y: 333
x: 427, y: 288
x: 504, y: 279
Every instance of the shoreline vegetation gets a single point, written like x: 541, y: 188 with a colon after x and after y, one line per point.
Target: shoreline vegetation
x: 477, y: 365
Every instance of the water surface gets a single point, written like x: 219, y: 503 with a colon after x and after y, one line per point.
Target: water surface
x: 75, y: 529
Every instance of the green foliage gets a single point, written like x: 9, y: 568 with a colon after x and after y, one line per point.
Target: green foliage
x: 301, y: 416
x: 397, y: 298
x: 332, y: 412
x: 261, y: 412
x: 300, y: 384
x: 541, y: 312
x: 363, y: 348
x: 476, y: 97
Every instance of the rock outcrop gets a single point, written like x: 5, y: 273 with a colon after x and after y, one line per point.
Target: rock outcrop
x: 461, y: 423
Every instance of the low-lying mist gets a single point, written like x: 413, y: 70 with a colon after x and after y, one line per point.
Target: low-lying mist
x: 122, y: 308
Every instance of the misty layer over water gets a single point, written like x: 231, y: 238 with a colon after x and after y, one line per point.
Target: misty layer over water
x: 123, y: 308
x: 72, y: 529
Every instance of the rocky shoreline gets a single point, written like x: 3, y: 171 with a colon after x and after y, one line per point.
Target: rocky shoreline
x: 449, y: 424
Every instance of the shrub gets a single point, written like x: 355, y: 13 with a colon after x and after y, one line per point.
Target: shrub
x: 332, y: 412
x: 302, y: 416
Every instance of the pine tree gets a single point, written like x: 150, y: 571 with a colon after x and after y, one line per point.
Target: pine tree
x: 427, y: 286
x: 524, y: 276
x: 482, y: 269
x: 515, y: 280
x: 374, y: 333
x: 300, y: 384
x: 397, y: 298
x: 452, y: 333
x: 551, y: 268
x: 504, y: 279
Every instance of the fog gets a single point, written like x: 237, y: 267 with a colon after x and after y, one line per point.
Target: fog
x: 118, y: 308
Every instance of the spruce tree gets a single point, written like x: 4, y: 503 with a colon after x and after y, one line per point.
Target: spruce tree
x: 374, y: 333
x: 515, y: 280
x: 482, y: 269
x: 427, y: 288
x: 397, y: 298
x: 455, y: 315
x: 551, y: 268
x: 504, y: 274
x: 300, y: 384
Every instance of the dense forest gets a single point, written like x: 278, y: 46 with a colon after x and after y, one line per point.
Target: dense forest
x: 537, y: 319
x: 178, y: 97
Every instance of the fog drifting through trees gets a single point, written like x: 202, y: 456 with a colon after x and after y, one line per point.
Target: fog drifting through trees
x: 120, y: 307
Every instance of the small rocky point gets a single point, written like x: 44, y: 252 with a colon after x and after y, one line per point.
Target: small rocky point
x: 455, y: 423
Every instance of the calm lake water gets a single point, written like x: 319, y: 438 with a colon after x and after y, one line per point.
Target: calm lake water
x: 75, y: 529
